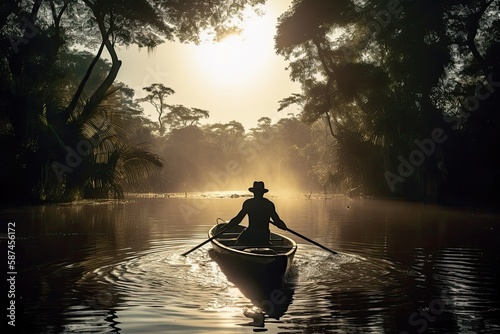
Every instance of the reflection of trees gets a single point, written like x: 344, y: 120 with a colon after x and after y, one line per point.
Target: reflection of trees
x: 58, y: 251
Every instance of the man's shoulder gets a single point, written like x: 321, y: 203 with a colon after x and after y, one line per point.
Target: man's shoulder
x: 248, y: 202
x: 268, y: 202
x: 258, y: 200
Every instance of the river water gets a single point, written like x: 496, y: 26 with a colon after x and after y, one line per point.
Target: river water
x: 97, y: 267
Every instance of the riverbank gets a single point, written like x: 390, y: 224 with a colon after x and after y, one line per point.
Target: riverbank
x: 471, y: 204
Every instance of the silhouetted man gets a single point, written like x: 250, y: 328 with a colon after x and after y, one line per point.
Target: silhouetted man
x: 259, y: 210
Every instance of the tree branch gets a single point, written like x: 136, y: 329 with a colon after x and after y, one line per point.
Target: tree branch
x: 472, y: 28
x: 34, y: 11
x: 57, y: 16
x: 328, y: 120
x: 76, y: 97
x: 329, y: 84
x: 116, y: 63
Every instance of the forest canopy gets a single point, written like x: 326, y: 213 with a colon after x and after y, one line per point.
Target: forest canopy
x: 398, y: 98
x: 62, y: 109
x: 409, y: 90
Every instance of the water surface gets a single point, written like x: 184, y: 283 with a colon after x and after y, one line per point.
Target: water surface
x: 97, y: 267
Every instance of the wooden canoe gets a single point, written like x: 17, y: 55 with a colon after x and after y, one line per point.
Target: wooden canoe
x: 273, y: 260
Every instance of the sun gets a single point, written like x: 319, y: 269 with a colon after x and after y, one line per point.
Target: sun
x: 238, y: 58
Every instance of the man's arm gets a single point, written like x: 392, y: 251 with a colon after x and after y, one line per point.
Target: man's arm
x: 238, y: 218
x: 276, y: 220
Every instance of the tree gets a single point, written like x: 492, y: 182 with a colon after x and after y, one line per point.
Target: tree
x: 191, y: 159
x: 381, y: 77
x: 181, y: 117
x: 156, y: 97
x: 45, y: 110
x: 227, y: 136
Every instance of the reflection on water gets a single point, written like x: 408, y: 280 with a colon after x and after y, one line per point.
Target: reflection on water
x: 116, y: 267
x: 271, y: 295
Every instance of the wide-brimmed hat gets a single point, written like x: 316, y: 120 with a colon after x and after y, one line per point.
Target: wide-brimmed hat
x: 258, y: 187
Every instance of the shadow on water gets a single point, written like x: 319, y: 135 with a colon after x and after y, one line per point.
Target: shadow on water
x: 271, y: 295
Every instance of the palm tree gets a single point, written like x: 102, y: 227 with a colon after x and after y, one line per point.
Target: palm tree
x: 113, y: 162
x: 90, y: 155
x: 58, y: 143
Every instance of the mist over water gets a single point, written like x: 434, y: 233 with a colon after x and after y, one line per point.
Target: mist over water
x: 116, y: 267
x: 238, y: 176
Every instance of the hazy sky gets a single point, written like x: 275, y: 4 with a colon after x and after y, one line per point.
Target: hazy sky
x: 238, y: 79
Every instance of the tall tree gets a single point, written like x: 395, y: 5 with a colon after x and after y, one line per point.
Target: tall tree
x: 44, y: 111
x: 157, y: 93
x: 181, y: 117
x: 380, y: 74
x: 227, y: 136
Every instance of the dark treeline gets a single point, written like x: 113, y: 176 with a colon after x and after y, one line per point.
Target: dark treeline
x: 66, y: 126
x: 399, y: 98
x: 409, y: 88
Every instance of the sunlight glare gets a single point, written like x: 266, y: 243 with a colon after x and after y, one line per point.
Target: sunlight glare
x: 238, y: 58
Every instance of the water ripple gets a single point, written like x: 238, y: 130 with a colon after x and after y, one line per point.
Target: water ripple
x: 325, y: 286
x: 159, y: 287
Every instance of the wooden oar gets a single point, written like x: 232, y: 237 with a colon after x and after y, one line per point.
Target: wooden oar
x: 204, y: 242
x: 312, y: 241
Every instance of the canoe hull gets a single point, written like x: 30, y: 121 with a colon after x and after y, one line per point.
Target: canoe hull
x: 267, y: 261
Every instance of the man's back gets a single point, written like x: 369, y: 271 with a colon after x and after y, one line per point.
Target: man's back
x: 259, y: 210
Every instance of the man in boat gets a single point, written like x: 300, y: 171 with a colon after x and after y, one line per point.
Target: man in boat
x: 259, y: 210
